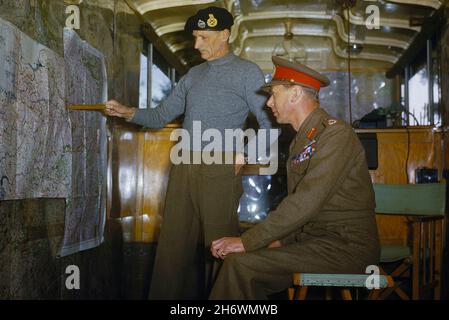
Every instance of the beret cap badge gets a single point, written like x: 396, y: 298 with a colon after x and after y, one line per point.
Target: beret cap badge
x: 212, y: 21
x: 211, y: 18
x: 201, y: 24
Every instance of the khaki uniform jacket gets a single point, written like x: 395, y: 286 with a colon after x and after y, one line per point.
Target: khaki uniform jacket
x: 330, y: 195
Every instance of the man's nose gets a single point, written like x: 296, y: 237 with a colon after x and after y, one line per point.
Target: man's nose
x: 197, y: 43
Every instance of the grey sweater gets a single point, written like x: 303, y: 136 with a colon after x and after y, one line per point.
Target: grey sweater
x: 219, y: 93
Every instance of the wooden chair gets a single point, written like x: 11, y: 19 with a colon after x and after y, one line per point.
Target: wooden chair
x: 420, y: 258
x: 302, y: 282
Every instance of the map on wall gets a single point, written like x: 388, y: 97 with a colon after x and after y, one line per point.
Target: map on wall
x: 85, y: 83
x: 47, y: 151
x: 35, y: 138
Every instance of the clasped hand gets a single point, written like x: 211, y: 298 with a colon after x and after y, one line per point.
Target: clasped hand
x: 224, y: 246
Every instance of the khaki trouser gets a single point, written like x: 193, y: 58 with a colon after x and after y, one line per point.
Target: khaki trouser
x: 255, y: 275
x: 201, y: 206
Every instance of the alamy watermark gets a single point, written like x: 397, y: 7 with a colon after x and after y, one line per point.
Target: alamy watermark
x: 373, y: 280
x: 72, y: 282
x: 261, y: 148
x: 73, y: 15
x: 373, y: 20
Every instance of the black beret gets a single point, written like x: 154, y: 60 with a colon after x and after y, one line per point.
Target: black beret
x: 211, y: 18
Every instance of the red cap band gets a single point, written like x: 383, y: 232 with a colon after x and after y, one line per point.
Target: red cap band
x: 287, y: 74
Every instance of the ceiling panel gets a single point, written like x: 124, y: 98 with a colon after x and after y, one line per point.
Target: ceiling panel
x: 320, y: 29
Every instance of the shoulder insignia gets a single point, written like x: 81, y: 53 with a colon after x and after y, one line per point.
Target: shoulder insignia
x: 311, y: 133
x: 331, y: 121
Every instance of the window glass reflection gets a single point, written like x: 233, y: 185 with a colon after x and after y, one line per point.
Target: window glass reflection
x: 261, y: 194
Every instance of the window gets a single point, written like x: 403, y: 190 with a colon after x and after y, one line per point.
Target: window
x: 424, y: 110
x: 161, y: 86
x: 419, y: 98
x: 143, y: 81
x: 162, y: 78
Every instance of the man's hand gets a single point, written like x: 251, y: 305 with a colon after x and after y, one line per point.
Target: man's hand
x: 275, y: 244
x: 224, y: 246
x: 116, y: 109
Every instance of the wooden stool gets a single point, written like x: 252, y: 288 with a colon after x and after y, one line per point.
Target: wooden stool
x: 302, y: 281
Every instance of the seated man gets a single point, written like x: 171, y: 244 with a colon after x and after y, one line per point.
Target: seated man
x: 326, y: 224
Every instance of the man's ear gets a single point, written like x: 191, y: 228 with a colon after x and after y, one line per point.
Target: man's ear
x: 296, y: 94
x: 225, y: 34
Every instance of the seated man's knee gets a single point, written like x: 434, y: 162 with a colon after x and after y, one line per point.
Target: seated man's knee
x: 235, y: 260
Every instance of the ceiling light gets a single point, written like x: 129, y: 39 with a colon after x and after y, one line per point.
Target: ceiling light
x: 355, y: 48
x: 290, y: 48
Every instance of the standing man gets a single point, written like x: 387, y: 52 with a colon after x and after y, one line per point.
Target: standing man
x: 202, y: 200
x: 326, y: 224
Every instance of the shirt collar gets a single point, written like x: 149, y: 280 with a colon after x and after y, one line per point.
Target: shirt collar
x: 313, y: 120
x: 223, y: 60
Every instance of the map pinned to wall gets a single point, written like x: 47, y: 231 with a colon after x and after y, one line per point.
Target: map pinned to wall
x: 47, y: 151
x: 35, y: 137
x: 85, y: 83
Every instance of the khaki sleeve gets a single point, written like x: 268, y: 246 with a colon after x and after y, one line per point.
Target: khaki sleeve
x: 288, y: 239
x: 327, y: 169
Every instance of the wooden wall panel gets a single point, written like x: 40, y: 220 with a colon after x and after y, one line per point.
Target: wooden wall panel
x: 157, y: 164
x: 424, y: 150
x: 124, y: 172
x: 424, y: 147
x: 139, y: 169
